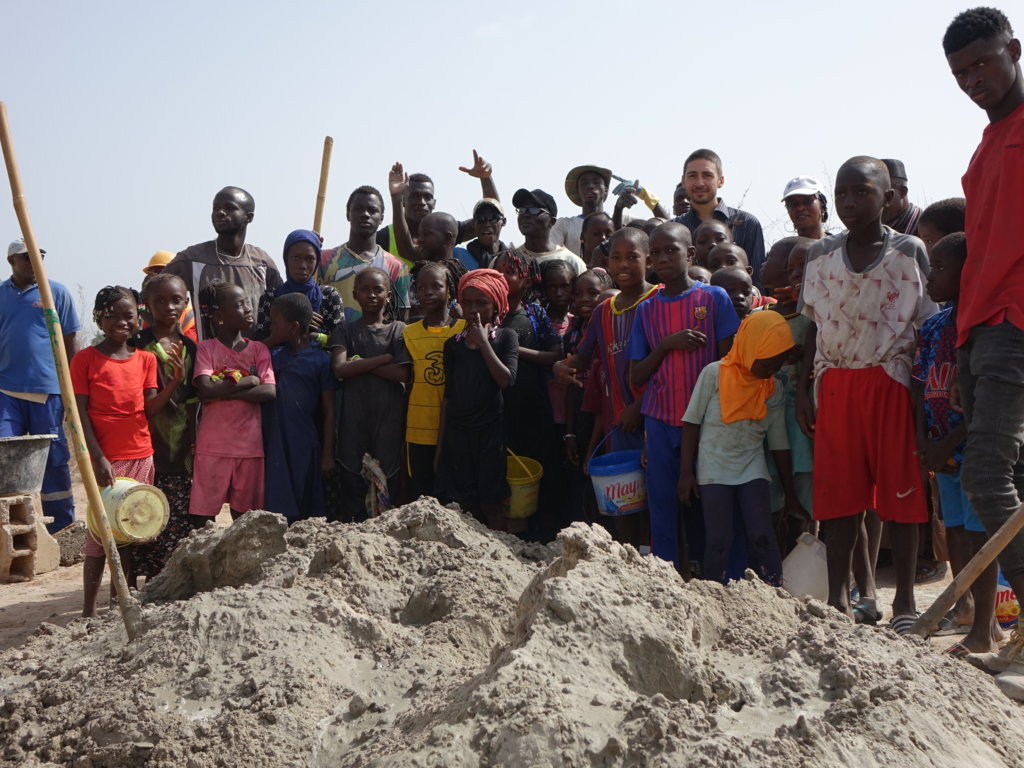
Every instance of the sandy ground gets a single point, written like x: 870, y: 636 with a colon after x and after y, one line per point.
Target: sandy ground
x: 56, y: 597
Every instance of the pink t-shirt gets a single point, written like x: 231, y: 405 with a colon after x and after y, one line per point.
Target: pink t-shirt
x: 868, y: 318
x: 231, y: 428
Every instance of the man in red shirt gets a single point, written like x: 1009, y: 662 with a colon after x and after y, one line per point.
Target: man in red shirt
x: 984, y: 57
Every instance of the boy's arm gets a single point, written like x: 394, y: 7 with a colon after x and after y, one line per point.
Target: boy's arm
x: 261, y: 393
x: 343, y: 368
x: 398, y: 182
x: 327, y: 454
x: 804, y: 404
x: 690, y: 439
x: 226, y: 389
x: 400, y: 372
x: 482, y: 170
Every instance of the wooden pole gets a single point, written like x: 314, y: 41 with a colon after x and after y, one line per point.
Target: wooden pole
x: 990, y: 550
x: 131, y: 611
x: 321, y: 194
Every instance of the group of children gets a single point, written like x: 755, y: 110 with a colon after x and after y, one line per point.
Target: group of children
x: 754, y: 406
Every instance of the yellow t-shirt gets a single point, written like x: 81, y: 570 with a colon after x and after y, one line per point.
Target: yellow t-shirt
x: 426, y: 348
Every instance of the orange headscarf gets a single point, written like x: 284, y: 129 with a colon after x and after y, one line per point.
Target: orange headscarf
x: 762, y: 334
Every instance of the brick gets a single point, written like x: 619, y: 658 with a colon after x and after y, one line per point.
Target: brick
x: 18, y: 538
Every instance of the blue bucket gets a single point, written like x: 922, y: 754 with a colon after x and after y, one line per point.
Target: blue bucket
x: 618, y: 479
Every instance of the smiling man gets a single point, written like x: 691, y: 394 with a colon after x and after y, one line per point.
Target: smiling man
x: 984, y: 57
x: 228, y: 257
x: 702, y: 178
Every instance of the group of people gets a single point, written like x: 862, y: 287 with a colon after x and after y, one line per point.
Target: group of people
x: 814, y: 383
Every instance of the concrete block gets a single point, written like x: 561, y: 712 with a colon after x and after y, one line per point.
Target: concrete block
x: 18, y: 538
x: 47, y: 550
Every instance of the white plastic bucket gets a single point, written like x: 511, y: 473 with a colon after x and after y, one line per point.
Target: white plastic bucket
x: 619, y: 485
x: 137, y: 512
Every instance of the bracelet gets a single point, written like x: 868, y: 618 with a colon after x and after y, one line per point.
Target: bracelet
x: 568, y: 435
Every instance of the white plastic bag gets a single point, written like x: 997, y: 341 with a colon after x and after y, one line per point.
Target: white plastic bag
x: 805, y: 569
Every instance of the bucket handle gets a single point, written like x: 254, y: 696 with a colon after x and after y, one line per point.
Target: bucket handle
x: 522, y: 466
x: 598, y: 447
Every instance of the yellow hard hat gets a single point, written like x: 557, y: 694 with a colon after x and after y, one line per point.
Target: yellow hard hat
x: 158, y: 261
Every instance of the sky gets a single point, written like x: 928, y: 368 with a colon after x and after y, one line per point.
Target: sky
x: 128, y: 117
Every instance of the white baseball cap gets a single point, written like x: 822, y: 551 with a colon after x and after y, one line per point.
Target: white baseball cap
x: 802, y: 185
x: 18, y: 246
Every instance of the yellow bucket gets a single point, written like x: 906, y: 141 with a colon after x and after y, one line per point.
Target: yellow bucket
x: 137, y: 512
x: 524, y: 476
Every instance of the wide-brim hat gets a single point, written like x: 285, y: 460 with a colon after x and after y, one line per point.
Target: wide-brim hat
x: 572, y: 180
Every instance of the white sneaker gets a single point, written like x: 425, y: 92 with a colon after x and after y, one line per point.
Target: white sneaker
x: 1001, y: 661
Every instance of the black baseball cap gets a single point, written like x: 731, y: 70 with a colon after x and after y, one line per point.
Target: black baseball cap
x: 523, y: 198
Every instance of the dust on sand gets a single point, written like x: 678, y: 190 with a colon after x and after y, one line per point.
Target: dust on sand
x: 420, y: 638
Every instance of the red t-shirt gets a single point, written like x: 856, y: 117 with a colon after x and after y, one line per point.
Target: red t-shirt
x: 992, y: 283
x: 117, y: 403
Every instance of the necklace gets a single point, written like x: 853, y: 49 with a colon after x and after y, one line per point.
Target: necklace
x: 228, y: 255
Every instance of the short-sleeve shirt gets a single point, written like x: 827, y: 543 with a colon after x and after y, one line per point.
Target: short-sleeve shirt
x: 705, y: 308
x: 733, y: 454
x: 172, y: 446
x: 568, y: 231
x: 560, y: 253
x: 746, y: 232
x: 330, y: 310
x: 232, y: 428
x: 473, y: 396
x: 868, y: 318
x: 992, y: 282
x: 339, y: 267
x: 936, y: 368
x: 199, y: 265
x: 426, y: 348
x: 26, y: 361
x: 117, y: 401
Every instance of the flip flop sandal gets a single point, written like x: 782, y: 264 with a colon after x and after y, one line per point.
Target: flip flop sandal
x: 958, y: 651
x: 863, y: 614
x: 901, y: 624
x: 949, y: 626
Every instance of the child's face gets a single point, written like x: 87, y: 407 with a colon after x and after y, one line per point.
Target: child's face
x: 282, y: 330
x: 597, y: 232
x: 433, y: 238
x: 797, y: 259
x: 680, y: 204
x: 166, y: 300
x: 365, y: 214
x: 671, y: 254
x: 120, y: 321
x: 766, y: 367
x: 301, y: 261
x: 627, y: 263
x: 699, y: 274
x: 371, y: 292
x: 235, y: 312
x: 477, y: 306
x: 775, y: 272
x: 860, y: 196
x: 708, y: 237
x: 558, y: 288
x: 431, y: 289
x: 738, y: 285
x: 944, y: 278
x: 929, y: 234
x: 515, y: 280
x: 727, y: 255
x: 586, y: 295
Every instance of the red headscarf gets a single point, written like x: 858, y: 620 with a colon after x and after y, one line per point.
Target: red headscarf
x: 492, y: 284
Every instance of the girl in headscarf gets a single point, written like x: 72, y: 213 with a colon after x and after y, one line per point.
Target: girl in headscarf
x: 736, y: 404
x: 479, y: 363
x: 301, y: 258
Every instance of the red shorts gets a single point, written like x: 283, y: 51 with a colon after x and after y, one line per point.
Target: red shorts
x: 220, y: 479
x: 864, y: 448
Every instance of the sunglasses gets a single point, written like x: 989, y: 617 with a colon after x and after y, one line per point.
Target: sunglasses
x: 487, y: 218
x: 532, y: 211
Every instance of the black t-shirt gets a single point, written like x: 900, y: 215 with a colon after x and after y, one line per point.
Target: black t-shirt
x: 483, y: 255
x: 473, y: 396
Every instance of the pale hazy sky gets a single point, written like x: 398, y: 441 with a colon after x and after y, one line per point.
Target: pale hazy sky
x: 128, y: 117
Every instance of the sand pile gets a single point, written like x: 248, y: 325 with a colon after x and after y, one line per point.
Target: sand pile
x: 422, y: 639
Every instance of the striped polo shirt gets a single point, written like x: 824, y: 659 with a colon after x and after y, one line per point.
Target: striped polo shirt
x: 705, y: 308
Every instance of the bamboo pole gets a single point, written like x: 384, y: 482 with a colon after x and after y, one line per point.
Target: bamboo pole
x: 321, y: 194
x: 131, y: 610
x: 989, y: 551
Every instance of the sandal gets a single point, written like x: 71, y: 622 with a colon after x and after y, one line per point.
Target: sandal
x: 929, y: 571
x: 865, y: 613
x: 948, y: 625
x: 901, y: 624
x: 958, y: 651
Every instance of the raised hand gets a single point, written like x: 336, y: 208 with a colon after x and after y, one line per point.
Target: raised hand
x: 481, y: 168
x: 398, y: 179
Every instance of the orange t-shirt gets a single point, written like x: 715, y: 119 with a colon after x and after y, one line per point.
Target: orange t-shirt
x: 116, y: 391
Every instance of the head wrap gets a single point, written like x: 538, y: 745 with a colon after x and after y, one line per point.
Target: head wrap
x: 309, y: 288
x: 762, y: 334
x: 492, y: 284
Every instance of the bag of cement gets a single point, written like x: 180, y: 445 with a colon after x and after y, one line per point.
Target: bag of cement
x: 805, y: 570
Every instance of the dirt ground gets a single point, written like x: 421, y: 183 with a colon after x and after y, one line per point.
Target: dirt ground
x: 56, y: 597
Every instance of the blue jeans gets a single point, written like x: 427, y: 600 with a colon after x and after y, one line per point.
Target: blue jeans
x: 750, y: 505
x: 23, y: 417
x: 991, y: 378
